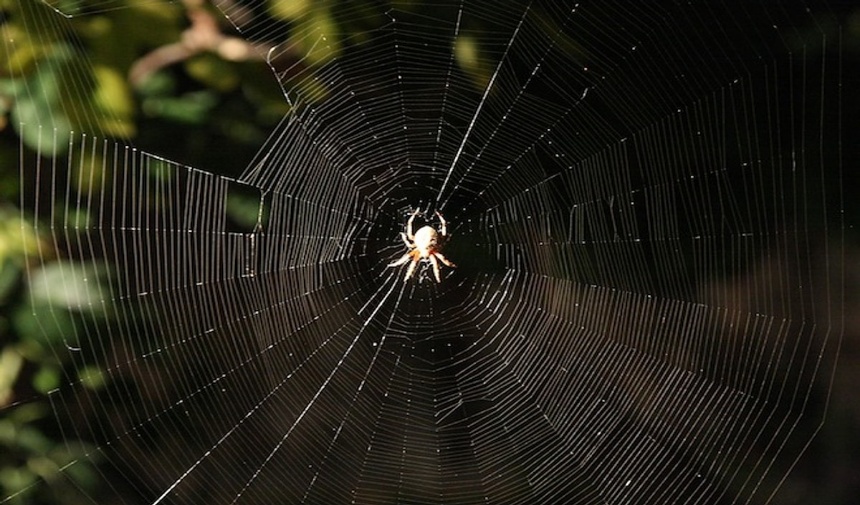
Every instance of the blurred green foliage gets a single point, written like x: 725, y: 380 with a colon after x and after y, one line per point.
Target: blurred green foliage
x: 35, y: 323
x: 135, y: 71
x: 60, y: 77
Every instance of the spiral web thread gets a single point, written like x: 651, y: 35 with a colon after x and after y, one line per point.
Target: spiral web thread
x: 608, y: 171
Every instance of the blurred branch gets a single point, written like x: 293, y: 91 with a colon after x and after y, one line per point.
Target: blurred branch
x: 204, y: 35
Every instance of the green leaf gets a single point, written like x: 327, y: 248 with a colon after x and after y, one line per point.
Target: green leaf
x: 38, y: 115
x: 67, y: 284
x: 467, y: 52
x: 10, y: 273
x: 11, y: 363
x: 32, y: 439
x: 113, y: 98
x: 46, y: 379
x: 14, y: 479
x: 42, y: 326
x: 288, y: 10
x: 213, y: 72
x: 92, y: 377
x: 191, y: 108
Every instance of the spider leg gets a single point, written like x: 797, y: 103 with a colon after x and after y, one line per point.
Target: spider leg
x: 444, y: 260
x: 444, y: 230
x: 411, y: 269
x: 406, y: 241
x: 409, y: 224
x: 435, y: 268
x: 403, y: 259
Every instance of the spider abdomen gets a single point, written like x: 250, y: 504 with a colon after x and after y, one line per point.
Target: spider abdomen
x: 426, y: 239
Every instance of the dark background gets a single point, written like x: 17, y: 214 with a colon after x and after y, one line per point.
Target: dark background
x: 213, y: 109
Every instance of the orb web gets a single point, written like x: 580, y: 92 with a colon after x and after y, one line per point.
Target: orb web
x: 638, y: 208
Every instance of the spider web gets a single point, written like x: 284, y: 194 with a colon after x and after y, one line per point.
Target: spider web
x: 638, y: 203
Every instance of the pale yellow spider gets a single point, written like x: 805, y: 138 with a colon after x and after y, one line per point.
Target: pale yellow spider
x: 424, y: 244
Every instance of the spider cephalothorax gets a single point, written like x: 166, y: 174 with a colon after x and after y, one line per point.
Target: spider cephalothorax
x: 426, y: 243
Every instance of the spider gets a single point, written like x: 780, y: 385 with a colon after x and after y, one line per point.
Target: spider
x: 424, y: 244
